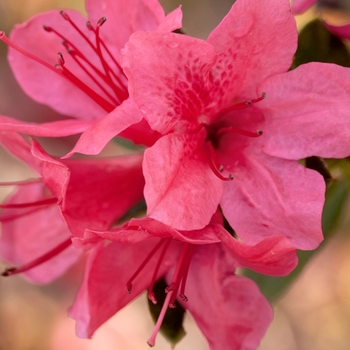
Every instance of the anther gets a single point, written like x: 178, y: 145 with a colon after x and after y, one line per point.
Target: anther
x: 64, y: 15
x: 101, y: 21
x: 61, y: 60
x: 47, y: 28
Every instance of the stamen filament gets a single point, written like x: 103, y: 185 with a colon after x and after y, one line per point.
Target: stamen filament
x: 21, y: 182
x: 151, y: 295
x: 45, y: 201
x: 242, y: 105
x: 25, y: 53
x: 239, y: 131
x: 50, y: 254
x: 152, y: 340
x: 143, y: 264
x: 214, y: 163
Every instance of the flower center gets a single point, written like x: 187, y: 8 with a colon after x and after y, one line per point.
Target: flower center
x: 102, y: 79
x: 214, y: 132
x: 177, y: 284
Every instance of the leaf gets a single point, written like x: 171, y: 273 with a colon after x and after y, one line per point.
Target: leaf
x: 317, y: 44
x: 171, y: 328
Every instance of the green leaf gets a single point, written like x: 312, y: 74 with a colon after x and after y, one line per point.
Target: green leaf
x: 272, y: 287
x: 317, y: 44
x: 171, y: 328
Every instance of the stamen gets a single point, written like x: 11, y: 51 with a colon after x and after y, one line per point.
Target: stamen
x: 25, y: 53
x: 50, y: 254
x: 151, y: 295
x: 239, y: 131
x: 152, y: 339
x: 242, y: 105
x: 46, y: 201
x: 214, y: 164
x: 143, y: 264
x: 21, y: 182
x: 179, y: 277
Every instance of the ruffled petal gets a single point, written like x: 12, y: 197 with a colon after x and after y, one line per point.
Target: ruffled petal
x: 230, y: 310
x: 255, y: 40
x: 274, y: 255
x: 95, y: 138
x: 272, y: 196
x: 181, y: 190
x: 137, y: 230
x: 52, y: 129
x: 306, y: 114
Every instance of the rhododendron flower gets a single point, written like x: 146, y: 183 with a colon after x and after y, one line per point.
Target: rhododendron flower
x: 199, y: 269
x: 71, y: 63
x: 41, y: 217
x: 300, y: 6
x: 235, y: 122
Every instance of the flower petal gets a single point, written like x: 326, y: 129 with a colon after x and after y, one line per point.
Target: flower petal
x: 104, y: 291
x: 256, y: 39
x: 174, y: 90
x: 52, y: 129
x: 125, y: 17
x: 230, y: 310
x: 272, y: 196
x: 181, y: 190
x: 273, y: 255
x: 29, y: 233
x: 306, y: 114
x: 95, y: 138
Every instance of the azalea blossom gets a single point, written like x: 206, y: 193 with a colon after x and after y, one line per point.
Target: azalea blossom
x: 72, y: 64
x: 342, y: 31
x: 235, y: 122
x: 300, y: 6
x: 42, y: 216
x: 199, y: 267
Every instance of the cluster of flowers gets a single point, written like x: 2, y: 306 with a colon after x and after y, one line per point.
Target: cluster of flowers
x: 224, y: 125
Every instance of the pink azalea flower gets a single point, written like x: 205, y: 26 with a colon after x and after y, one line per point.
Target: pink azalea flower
x: 300, y: 6
x: 199, y: 269
x: 41, y: 217
x: 86, y: 81
x: 229, y: 108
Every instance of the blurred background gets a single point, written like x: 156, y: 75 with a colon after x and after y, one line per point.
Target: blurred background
x: 313, y: 314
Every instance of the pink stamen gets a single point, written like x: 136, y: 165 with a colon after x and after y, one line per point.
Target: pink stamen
x: 50, y: 254
x: 214, y: 162
x: 179, y: 277
x: 143, y: 264
x: 242, y: 105
x: 239, y: 131
x: 21, y: 182
x: 151, y: 295
x: 46, y: 201
x: 152, y: 339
